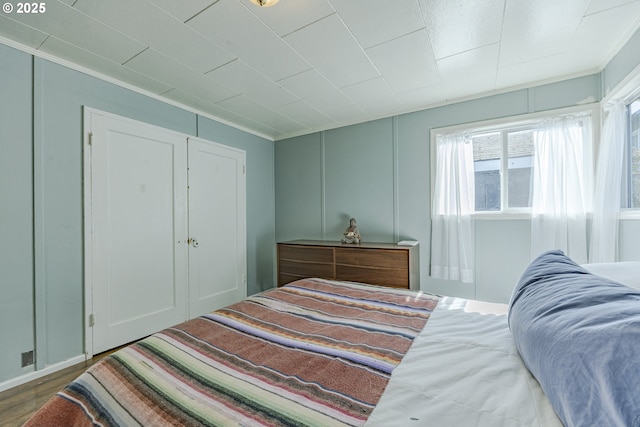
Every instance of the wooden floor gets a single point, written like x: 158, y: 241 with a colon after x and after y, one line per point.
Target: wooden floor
x: 19, y: 403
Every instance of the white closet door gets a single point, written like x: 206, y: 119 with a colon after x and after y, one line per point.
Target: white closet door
x: 138, y: 226
x: 217, y: 223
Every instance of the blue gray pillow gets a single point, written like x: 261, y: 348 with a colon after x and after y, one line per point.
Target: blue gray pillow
x: 579, y: 335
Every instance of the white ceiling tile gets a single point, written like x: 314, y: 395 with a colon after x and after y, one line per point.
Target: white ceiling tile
x: 406, y: 62
x: 292, y: 15
x: 91, y: 61
x: 243, y: 79
x: 192, y: 100
x: 321, y: 94
x: 230, y: 24
x: 471, y: 72
x: 217, y: 111
x: 373, y: 96
x: 423, y: 97
x: 183, y: 10
x: 533, y: 72
x: 377, y: 21
x: 535, y: 29
x: 331, y: 49
x: 597, y: 6
x: 599, y: 34
x: 158, y: 30
x: 456, y: 26
x: 244, y: 106
x: 166, y: 70
x: 303, y: 113
x: 67, y: 23
x: 21, y: 33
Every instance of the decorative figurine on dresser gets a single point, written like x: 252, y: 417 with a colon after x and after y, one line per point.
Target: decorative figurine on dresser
x: 351, y: 234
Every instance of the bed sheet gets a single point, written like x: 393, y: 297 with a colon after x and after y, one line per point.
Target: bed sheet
x: 627, y: 273
x: 463, y: 369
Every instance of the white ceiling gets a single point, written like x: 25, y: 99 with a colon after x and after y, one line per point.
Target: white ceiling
x: 307, y: 65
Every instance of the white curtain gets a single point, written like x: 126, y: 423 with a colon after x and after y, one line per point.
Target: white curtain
x: 452, y: 240
x: 606, y: 199
x: 559, y: 206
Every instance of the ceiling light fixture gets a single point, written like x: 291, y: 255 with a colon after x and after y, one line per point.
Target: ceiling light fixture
x: 264, y: 3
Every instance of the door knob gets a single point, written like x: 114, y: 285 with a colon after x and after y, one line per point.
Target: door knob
x: 194, y: 242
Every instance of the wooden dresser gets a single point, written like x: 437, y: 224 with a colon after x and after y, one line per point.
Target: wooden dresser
x: 384, y: 264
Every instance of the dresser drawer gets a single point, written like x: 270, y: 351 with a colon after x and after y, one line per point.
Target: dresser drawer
x: 374, y: 276
x: 299, y: 262
x: 373, y: 258
x: 306, y: 269
x: 305, y: 253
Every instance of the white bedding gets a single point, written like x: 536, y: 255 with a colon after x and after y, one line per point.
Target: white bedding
x: 464, y: 370
x: 627, y: 273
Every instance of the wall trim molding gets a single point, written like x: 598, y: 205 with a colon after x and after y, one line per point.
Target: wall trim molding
x: 23, y: 379
x: 396, y: 179
x: 323, y: 188
x: 39, y: 215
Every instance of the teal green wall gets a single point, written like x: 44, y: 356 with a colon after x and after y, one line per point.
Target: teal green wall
x: 299, y: 187
x: 42, y: 206
x: 16, y: 211
x: 379, y: 173
x: 359, y: 176
x: 623, y: 63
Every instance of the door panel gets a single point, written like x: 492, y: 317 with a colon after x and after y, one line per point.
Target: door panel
x: 217, y: 263
x: 139, y: 225
x: 147, y: 191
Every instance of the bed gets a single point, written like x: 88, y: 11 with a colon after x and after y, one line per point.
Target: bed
x: 321, y: 353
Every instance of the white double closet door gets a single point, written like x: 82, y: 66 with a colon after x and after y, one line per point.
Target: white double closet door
x: 165, y: 228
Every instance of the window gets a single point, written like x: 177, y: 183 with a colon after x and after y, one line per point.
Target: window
x: 504, y: 157
x: 631, y: 188
x: 540, y: 166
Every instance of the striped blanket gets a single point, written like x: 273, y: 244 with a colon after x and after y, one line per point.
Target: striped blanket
x: 312, y: 353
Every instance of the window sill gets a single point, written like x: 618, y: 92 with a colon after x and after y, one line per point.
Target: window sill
x: 629, y: 214
x: 501, y: 216
x: 625, y: 215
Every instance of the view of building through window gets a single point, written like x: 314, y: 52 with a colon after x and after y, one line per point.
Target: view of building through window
x: 489, y: 151
x: 487, y: 154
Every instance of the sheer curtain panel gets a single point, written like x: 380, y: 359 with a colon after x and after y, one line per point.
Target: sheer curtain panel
x: 606, y: 200
x: 452, y: 236
x: 559, y: 205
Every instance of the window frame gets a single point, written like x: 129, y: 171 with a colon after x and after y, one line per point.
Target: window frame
x: 510, y: 123
x: 627, y: 188
x: 626, y: 91
x: 504, y: 131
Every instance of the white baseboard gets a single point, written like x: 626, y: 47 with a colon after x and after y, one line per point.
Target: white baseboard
x: 23, y: 379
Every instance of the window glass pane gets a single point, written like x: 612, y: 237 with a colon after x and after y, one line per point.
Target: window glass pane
x: 487, y: 150
x: 520, y: 152
x: 634, y: 151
